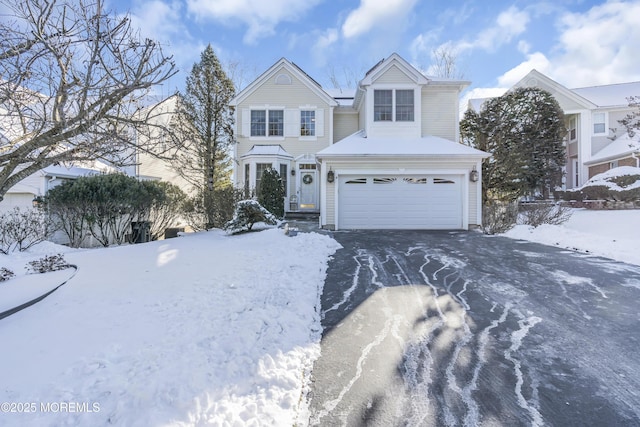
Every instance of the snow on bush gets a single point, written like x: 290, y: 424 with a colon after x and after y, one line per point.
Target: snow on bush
x: 621, y: 183
x: 5, y: 274
x: 47, y: 264
x: 248, y: 213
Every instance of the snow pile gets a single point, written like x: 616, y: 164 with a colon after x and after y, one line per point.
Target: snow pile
x: 608, y: 233
x: 205, y: 329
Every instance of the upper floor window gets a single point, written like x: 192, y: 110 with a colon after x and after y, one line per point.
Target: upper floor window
x: 404, y: 105
x: 384, y: 104
x: 599, y: 123
x: 573, y: 130
x: 307, y: 123
x: 259, y: 123
x: 276, y: 123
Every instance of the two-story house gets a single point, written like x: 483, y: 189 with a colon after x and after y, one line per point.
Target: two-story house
x: 595, y: 141
x: 381, y: 156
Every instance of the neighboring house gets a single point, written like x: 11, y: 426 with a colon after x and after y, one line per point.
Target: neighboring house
x: 28, y: 191
x: 383, y: 156
x: 595, y: 141
x: 150, y: 167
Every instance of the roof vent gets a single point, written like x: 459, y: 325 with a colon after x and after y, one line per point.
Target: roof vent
x: 283, y: 79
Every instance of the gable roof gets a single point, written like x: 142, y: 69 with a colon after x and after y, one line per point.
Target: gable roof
x: 393, y: 60
x: 536, y: 79
x: 284, y: 64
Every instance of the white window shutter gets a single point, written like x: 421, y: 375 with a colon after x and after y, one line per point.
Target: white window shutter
x: 320, y: 122
x: 246, y: 122
x: 292, y: 122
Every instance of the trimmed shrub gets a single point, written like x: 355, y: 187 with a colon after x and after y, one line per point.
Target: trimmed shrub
x: 247, y: 213
x: 499, y: 217
x: 271, y: 192
x: 47, y: 264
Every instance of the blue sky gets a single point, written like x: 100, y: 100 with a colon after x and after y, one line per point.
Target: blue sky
x: 576, y: 42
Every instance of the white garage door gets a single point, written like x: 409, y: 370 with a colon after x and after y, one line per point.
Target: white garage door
x: 400, y: 202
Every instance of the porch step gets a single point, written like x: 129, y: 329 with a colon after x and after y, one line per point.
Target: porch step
x: 310, y: 216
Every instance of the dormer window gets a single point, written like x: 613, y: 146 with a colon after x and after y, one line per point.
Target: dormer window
x: 404, y: 105
x: 383, y: 105
x: 388, y: 101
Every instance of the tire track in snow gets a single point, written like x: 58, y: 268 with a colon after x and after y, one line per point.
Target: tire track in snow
x: 354, y: 284
x: 418, y: 363
x: 516, y: 342
x: 390, y: 325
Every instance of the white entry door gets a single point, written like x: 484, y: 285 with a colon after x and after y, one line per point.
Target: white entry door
x: 308, y: 189
x: 400, y: 202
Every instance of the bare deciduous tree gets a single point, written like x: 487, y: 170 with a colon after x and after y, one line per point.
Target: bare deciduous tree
x: 444, y: 63
x: 73, y: 81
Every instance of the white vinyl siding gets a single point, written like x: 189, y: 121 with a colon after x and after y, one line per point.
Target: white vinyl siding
x: 439, y: 112
x: 393, y: 75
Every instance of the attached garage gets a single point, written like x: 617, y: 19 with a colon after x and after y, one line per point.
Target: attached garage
x: 427, y: 183
x: 400, y: 202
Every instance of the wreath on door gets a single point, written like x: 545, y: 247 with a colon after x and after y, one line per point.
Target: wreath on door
x: 307, y: 179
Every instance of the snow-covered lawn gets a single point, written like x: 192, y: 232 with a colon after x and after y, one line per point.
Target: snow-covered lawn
x: 205, y: 329
x: 612, y: 234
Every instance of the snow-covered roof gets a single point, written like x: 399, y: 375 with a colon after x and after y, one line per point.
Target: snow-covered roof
x: 476, y: 104
x: 267, y: 150
x: 360, y: 145
x: 612, y: 95
x: 344, y: 97
x: 73, y: 171
x: 622, y: 146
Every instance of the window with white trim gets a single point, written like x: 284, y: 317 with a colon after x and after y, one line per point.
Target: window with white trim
x: 260, y: 168
x: 307, y: 123
x: 404, y: 105
x: 267, y: 123
x: 383, y: 105
x: 573, y: 129
x: 599, y: 123
x: 393, y: 105
x: 283, y: 177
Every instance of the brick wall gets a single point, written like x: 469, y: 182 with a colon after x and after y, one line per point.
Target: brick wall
x: 595, y: 170
x: 629, y: 161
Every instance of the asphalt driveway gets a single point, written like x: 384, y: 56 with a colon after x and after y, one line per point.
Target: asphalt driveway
x: 462, y: 329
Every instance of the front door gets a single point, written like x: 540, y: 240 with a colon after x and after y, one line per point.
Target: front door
x: 308, y: 188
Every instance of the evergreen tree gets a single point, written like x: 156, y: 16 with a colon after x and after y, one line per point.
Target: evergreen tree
x: 524, y: 131
x: 631, y: 121
x: 205, y: 120
x: 271, y: 192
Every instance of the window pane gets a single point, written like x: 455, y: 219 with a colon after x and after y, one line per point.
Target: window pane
x: 258, y: 123
x: 599, y: 123
x: 260, y: 168
x: 276, y: 123
x: 382, y: 105
x: 404, y: 105
x: 283, y: 177
x: 307, y: 123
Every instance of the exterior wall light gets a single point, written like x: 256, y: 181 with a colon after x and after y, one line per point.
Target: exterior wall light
x: 474, y: 175
x: 331, y: 176
x: 37, y: 202
x: 293, y: 172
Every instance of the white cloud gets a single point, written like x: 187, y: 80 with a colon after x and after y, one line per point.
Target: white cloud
x: 600, y: 46
x: 480, y: 93
x: 596, y: 47
x: 536, y: 60
x: 374, y: 13
x: 261, y: 16
x: 509, y: 24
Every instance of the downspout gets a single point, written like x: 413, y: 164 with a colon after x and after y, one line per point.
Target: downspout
x: 635, y: 156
